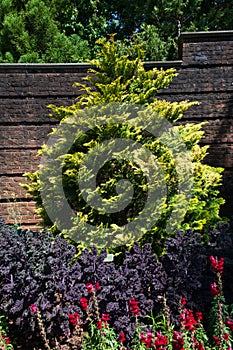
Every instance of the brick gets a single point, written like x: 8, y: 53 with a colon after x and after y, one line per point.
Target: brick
x: 33, y: 110
x: 21, y: 136
x: 11, y: 188
x: 19, y: 213
x: 18, y: 161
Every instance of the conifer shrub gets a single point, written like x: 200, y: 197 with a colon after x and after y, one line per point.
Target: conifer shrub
x: 123, y: 80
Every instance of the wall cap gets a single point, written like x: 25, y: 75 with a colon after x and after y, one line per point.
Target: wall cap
x: 220, y: 35
x: 198, y: 37
x: 67, y: 67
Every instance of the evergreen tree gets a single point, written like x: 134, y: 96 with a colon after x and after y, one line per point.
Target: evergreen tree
x: 29, y: 33
x: 122, y: 80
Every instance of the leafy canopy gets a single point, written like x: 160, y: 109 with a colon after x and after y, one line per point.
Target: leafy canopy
x: 29, y: 32
x: 66, y: 31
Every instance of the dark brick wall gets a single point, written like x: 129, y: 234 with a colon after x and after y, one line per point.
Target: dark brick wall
x: 25, y: 92
x: 205, y: 75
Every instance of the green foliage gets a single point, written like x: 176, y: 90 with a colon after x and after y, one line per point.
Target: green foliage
x: 154, y: 46
x: 150, y: 22
x: 67, y: 49
x: 202, y: 210
x: 100, y: 339
x: 121, y: 79
x: 29, y: 27
x: 31, y: 34
x: 4, y: 339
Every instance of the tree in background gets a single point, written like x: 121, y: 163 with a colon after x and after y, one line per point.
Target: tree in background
x: 157, y: 23
x: 29, y: 32
x: 66, y: 31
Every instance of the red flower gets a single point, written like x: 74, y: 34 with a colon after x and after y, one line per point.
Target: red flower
x: 226, y: 336
x: 197, y: 345
x: 199, y: 316
x: 122, y: 337
x: 188, y: 320
x: 183, y: 301
x: 182, y: 318
x: 99, y: 324
x: 84, y: 303
x: 229, y: 323
x: 105, y: 317
x: 89, y: 288
x: 177, y: 341
x: 103, y: 322
x: 216, y: 340
x: 97, y: 286
x: 217, y: 265
x: 6, y: 339
x: 73, y: 318
x: 133, y: 307
x: 160, y: 340
x: 142, y: 338
x: 33, y: 308
x: 146, y: 339
x: 214, y: 290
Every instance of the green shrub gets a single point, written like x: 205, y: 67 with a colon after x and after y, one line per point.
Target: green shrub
x: 119, y: 90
